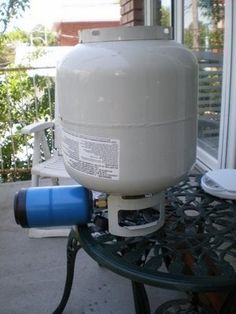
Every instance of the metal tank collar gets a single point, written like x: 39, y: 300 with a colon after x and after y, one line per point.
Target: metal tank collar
x: 125, y: 33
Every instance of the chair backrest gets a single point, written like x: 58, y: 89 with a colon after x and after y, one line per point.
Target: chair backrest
x: 57, y: 127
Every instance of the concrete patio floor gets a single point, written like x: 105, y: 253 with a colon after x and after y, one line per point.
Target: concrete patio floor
x: 32, y: 273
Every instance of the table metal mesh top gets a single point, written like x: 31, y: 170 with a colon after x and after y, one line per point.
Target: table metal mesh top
x: 194, y: 250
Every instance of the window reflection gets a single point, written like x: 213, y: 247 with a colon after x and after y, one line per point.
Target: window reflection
x: 204, y: 34
x: 162, y: 13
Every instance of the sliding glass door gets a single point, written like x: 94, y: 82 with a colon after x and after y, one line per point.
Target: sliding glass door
x: 207, y: 27
x: 204, y: 23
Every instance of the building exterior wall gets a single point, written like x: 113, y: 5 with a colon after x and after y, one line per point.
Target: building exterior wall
x: 132, y: 12
x: 68, y: 32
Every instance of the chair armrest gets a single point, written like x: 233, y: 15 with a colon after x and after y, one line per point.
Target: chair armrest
x: 36, y: 127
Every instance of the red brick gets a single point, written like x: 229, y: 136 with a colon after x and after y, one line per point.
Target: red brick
x: 123, y: 2
x: 136, y: 23
x: 128, y: 7
x: 122, y: 11
x: 137, y: 4
x: 124, y: 19
x: 135, y: 15
x: 132, y: 12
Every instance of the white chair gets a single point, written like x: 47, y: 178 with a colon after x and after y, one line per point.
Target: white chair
x: 52, y: 167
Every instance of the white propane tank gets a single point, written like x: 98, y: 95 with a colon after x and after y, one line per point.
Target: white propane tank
x: 128, y: 106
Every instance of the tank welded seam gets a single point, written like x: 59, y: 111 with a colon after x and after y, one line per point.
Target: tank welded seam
x: 137, y: 125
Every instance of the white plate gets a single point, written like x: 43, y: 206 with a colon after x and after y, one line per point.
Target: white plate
x: 220, y: 183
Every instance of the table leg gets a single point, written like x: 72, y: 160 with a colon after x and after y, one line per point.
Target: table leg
x: 184, y: 306
x: 72, y: 249
x: 140, y: 298
x: 229, y: 306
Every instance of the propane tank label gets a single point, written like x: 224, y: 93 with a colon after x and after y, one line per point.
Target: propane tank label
x: 94, y: 156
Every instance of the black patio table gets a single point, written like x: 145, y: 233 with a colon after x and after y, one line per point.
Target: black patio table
x: 195, y: 252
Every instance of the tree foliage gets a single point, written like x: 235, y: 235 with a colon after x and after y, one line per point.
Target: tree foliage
x: 165, y: 17
x: 213, y: 9
x: 8, y: 41
x: 210, y: 32
x: 40, y: 36
x: 23, y: 99
x: 11, y: 9
x: 24, y: 96
x: 188, y: 35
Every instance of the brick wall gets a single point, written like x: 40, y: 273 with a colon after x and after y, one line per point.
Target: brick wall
x: 68, y: 31
x: 132, y: 12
